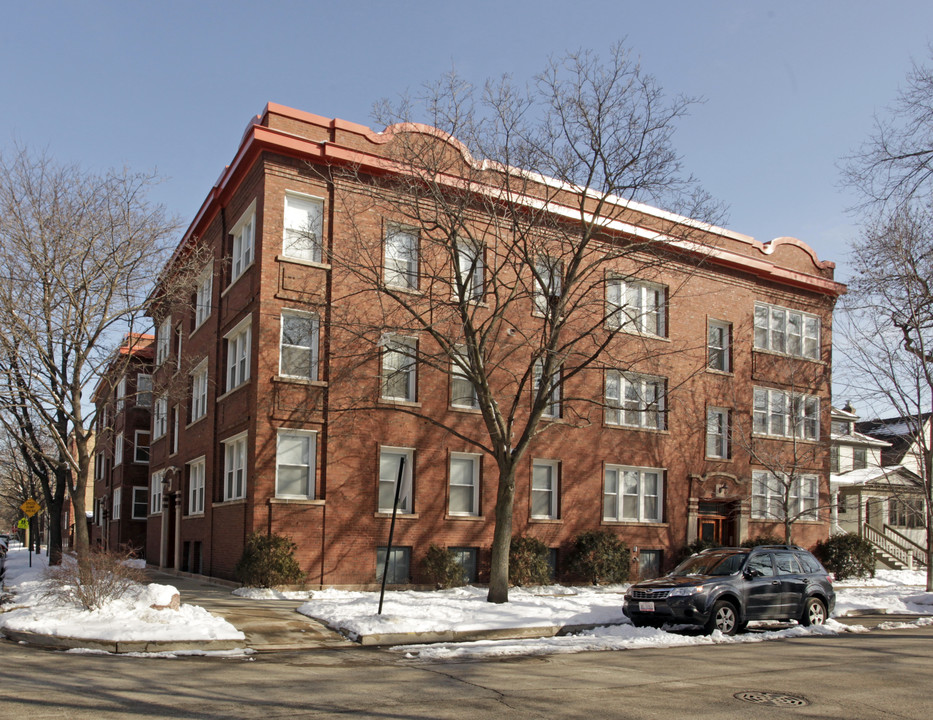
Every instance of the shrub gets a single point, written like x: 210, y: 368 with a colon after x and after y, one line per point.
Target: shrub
x: 442, y: 568
x: 764, y: 540
x: 528, y: 563
x: 693, y: 548
x: 846, y: 556
x: 268, y: 561
x: 104, y: 576
x: 599, y: 556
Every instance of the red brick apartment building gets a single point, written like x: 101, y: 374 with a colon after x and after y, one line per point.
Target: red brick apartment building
x: 282, y: 428
x: 121, y: 453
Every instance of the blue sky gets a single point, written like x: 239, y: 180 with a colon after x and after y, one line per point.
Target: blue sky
x: 789, y: 87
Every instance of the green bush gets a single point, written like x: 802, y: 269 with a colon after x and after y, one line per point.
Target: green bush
x: 693, y: 548
x: 442, y: 568
x: 598, y: 556
x: 528, y: 563
x: 846, y: 556
x: 763, y: 540
x: 268, y: 561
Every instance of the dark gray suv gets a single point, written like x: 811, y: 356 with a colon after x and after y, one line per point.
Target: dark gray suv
x: 725, y: 588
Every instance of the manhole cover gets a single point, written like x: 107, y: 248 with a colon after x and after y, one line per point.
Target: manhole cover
x: 772, y: 698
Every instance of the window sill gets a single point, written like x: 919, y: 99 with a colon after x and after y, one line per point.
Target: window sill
x: 634, y: 523
x: 195, y: 422
x: 787, y: 438
x: 636, y: 428
x: 234, y: 501
x: 227, y: 394
x: 473, y: 518
x: 545, y: 521
x: 194, y: 516
x: 721, y: 373
x: 287, y: 379
x: 400, y: 516
x: 389, y: 402
x: 295, y: 501
x: 765, y: 351
x: 301, y: 261
x: 203, y: 323
x: 468, y: 410
x: 709, y: 458
x: 403, y: 289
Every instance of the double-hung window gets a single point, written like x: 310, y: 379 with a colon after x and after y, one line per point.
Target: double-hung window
x: 143, y: 390
x: 464, y: 484
x: 235, y: 468
x: 199, y: 391
x: 202, y: 300
x: 298, y: 345
x: 551, y: 390
x: 163, y: 340
x: 401, y: 257
x: 304, y: 227
x: 469, y: 285
x: 399, y: 368
x: 635, y: 400
x: 160, y: 417
x: 636, y: 306
x: 719, y: 340
x: 295, y: 464
x: 243, y: 238
x: 544, y: 483
x: 118, y: 450
x: 117, y: 502
x: 633, y: 494
x: 155, y: 492
x: 121, y: 393
x: 140, y: 503
x: 462, y: 392
x: 238, y: 348
x: 778, y: 497
x: 389, y: 462
x: 547, y: 283
x: 717, y: 433
x: 196, y: 487
x: 141, y: 447
x: 782, y: 330
x: 785, y: 414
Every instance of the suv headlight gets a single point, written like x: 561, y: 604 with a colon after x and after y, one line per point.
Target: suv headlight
x: 685, y: 591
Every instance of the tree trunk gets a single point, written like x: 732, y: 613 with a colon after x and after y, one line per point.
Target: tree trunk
x: 54, y: 514
x: 502, y: 537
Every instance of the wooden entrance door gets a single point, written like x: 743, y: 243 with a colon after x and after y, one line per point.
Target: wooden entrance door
x: 715, y: 523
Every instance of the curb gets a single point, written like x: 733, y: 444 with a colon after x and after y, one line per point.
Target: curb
x: 425, y: 638
x: 118, y: 647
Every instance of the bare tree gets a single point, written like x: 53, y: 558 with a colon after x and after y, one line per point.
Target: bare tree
x: 79, y: 253
x: 889, y: 331
x: 473, y: 246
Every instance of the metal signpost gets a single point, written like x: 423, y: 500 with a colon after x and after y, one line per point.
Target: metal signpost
x: 30, y: 507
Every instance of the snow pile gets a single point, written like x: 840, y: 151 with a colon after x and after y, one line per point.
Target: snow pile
x: 131, y: 618
x: 254, y: 593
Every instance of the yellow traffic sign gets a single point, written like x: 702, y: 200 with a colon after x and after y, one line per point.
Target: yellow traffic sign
x: 22, y: 524
x: 30, y: 507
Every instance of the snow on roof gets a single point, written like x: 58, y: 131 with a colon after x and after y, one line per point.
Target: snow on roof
x: 865, y: 476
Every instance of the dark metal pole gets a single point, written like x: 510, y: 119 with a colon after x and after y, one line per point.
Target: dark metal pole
x: 385, y: 565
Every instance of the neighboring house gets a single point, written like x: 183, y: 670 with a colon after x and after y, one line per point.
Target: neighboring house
x: 265, y: 436
x: 121, y: 457
x: 876, y: 489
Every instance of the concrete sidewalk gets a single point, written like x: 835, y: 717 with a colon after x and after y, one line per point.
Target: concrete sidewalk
x: 269, y: 625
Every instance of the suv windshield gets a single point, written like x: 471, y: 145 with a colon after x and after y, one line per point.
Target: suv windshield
x: 711, y: 564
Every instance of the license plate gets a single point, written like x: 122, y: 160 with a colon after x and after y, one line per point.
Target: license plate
x: 646, y: 606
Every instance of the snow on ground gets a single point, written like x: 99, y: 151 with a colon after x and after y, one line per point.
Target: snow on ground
x: 254, y: 593
x: 129, y: 619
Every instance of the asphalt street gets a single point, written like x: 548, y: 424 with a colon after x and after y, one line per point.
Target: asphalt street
x: 882, y: 674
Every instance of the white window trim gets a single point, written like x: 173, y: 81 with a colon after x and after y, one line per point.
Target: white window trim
x: 143, y: 390
x: 199, y: 391
x: 164, y: 341
x: 721, y: 431
x: 311, y: 436
x: 769, y: 342
x: 615, y: 413
x: 618, y: 318
x: 118, y: 443
x: 795, y: 423
x: 457, y: 373
x: 475, y: 461
x: 117, y: 502
x: 243, y: 256
x: 196, y: 486
x: 230, y: 490
x: 407, y: 480
x: 391, y: 343
x: 155, y: 492
x: 408, y: 274
x: 642, y: 516
x: 136, y: 446
x: 204, y: 295
x: 554, y: 467
x: 553, y: 408
x: 317, y: 244
x: 470, y: 257
x: 137, y: 491
x: 726, y: 327
x: 121, y: 393
x: 237, y: 375
x: 772, y: 499
x: 159, y: 418
x: 314, y: 348
x: 551, y: 271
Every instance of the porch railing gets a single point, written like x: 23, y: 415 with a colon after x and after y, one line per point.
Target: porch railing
x: 888, y: 545
x: 919, y: 552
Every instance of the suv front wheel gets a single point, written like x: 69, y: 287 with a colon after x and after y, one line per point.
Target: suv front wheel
x: 724, y: 618
x: 814, y: 612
